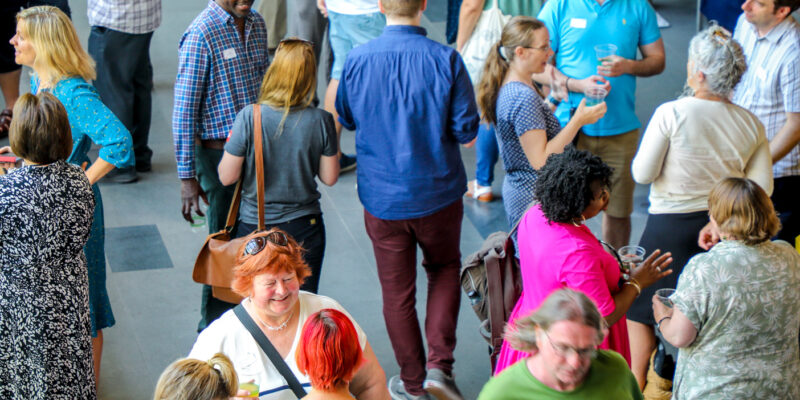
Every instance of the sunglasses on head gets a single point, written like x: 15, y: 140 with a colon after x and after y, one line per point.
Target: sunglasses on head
x: 256, y: 244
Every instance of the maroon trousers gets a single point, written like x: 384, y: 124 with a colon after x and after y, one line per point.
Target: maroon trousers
x: 395, y: 245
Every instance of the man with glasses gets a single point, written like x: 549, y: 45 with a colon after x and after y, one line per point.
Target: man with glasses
x: 562, y: 335
x: 221, y: 61
x: 576, y: 28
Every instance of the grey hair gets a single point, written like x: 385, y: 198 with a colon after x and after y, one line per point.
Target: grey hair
x: 720, y: 58
x: 561, y: 305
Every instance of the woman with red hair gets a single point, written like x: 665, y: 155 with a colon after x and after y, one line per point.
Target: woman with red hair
x: 268, y: 274
x: 329, y: 354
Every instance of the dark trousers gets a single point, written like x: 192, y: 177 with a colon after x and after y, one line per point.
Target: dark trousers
x: 395, y: 245
x: 125, y: 82
x: 786, y: 198
x: 309, y: 232
x: 219, y: 201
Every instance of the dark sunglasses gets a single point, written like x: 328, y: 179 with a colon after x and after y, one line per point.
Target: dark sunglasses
x: 616, y: 255
x: 256, y: 244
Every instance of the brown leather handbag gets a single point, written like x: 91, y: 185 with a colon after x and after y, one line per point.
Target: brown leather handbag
x: 218, y: 257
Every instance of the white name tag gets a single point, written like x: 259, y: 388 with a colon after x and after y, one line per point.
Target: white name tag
x: 579, y: 23
x: 229, y: 53
x: 761, y: 73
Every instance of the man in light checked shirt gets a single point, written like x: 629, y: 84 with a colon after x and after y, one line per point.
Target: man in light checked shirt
x: 222, y: 59
x: 770, y: 89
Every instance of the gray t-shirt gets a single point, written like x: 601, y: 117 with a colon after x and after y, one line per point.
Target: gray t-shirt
x: 291, y: 161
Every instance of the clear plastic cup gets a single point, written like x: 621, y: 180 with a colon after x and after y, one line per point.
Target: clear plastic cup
x: 630, y: 253
x: 604, y: 51
x: 664, y: 295
x: 595, y: 96
x: 252, y: 388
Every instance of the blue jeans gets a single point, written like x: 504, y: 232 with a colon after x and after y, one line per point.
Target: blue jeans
x: 486, y: 154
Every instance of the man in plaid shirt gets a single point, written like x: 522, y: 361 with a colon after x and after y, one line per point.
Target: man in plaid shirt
x: 120, y: 45
x: 222, y: 59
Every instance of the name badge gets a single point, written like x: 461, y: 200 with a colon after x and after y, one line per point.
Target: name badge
x: 761, y: 73
x: 229, y: 53
x: 579, y: 23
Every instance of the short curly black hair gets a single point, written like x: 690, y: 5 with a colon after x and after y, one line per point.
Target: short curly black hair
x: 564, y: 186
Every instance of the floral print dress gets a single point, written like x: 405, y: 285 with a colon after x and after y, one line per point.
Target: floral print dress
x: 745, y: 303
x: 45, y: 343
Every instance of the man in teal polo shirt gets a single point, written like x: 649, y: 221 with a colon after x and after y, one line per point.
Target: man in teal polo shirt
x: 576, y: 27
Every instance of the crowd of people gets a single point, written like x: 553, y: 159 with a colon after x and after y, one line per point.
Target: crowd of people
x: 712, y: 312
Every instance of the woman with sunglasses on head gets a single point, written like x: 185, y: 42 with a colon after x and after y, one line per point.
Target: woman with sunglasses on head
x: 689, y: 145
x: 557, y: 250
x: 736, y: 312
x: 526, y: 128
x: 47, y: 42
x: 299, y: 145
x: 269, y: 274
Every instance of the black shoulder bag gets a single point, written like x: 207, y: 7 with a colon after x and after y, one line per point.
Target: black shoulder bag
x: 269, y: 350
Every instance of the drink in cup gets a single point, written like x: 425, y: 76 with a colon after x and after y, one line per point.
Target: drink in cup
x: 629, y: 254
x: 250, y: 387
x: 595, y: 96
x: 603, y: 51
x: 664, y: 295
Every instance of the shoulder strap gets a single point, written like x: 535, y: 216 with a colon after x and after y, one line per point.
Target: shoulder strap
x: 269, y: 350
x: 258, y: 140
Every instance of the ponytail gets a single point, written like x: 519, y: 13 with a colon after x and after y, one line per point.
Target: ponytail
x: 190, y: 379
x: 518, y: 32
x: 494, y: 72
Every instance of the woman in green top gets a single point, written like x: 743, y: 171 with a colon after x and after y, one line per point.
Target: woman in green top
x: 562, y: 335
x: 736, y: 313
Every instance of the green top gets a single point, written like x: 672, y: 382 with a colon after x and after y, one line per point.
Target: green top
x: 745, y: 303
x: 609, y: 378
x: 516, y: 7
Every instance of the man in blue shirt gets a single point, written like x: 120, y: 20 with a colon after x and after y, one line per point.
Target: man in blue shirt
x: 576, y: 27
x: 411, y: 103
x: 221, y: 61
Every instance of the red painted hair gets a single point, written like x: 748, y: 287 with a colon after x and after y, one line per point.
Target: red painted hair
x: 329, y: 351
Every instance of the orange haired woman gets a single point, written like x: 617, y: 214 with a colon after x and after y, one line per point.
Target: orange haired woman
x: 299, y: 145
x: 269, y: 273
x: 329, y: 354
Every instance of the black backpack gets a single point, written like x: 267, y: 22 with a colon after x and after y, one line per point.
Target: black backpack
x: 491, y: 280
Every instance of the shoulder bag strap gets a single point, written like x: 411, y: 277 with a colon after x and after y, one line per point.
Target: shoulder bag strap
x: 269, y: 350
x: 258, y: 140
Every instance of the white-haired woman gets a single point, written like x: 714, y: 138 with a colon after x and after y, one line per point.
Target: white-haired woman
x: 691, y: 144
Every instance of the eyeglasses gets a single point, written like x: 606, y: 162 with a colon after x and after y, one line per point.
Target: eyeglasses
x: 256, y: 244
x: 543, y: 48
x: 615, y: 253
x: 567, y: 351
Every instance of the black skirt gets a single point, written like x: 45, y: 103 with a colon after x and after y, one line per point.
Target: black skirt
x: 676, y: 233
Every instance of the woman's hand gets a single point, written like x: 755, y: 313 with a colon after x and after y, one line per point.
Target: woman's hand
x: 660, y: 310
x: 594, y: 81
x: 589, y: 115
x: 652, y: 269
x: 709, y: 236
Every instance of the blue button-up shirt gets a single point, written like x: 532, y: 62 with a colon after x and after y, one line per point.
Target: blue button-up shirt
x: 218, y: 75
x: 411, y: 103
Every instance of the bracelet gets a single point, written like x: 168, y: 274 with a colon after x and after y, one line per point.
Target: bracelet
x: 662, y: 320
x: 566, y: 84
x: 635, y: 285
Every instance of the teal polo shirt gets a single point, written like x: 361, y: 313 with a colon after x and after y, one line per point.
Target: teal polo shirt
x: 576, y: 26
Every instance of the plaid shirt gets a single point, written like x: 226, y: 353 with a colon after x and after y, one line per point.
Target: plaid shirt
x: 129, y: 16
x: 218, y: 75
x: 771, y: 85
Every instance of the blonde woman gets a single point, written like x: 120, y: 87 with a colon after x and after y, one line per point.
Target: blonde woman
x: 190, y: 379
x: 46, y: 41
x: 299, y: 145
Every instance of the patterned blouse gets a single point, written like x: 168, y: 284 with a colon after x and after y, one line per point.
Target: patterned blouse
x: 91, y: 121
x: 745, y: 303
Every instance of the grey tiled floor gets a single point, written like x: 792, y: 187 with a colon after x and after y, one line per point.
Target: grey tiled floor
x: 157, y: 309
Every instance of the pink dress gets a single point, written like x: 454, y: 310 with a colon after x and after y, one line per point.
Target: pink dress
x: 558, y: 255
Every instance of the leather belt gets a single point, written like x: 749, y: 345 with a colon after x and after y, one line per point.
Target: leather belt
x: 216, y: 144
